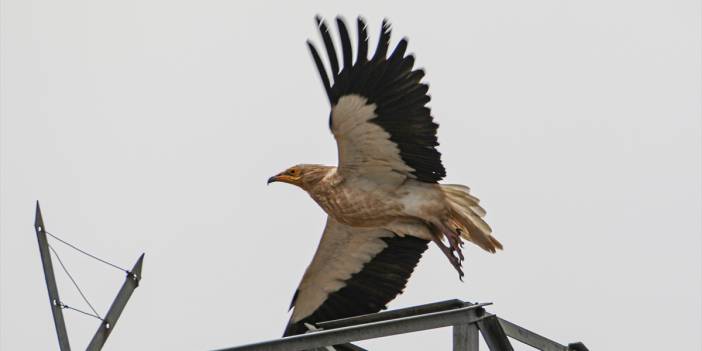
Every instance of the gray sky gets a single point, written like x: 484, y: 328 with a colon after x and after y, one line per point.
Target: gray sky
x: 152, y: 126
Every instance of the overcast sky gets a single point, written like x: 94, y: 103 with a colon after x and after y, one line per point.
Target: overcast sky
x: 152, y: 126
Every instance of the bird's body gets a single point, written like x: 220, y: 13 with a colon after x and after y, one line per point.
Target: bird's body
x: 383, y: 200
x: 363, y: 202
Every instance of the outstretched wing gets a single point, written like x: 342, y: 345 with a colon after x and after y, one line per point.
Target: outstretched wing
x: 379, y: 115
x: 355, y: 271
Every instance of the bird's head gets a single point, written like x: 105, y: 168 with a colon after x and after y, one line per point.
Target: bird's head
x: 304, y: 176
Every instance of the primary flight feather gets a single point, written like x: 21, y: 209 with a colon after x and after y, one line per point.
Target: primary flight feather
x: 383, y: 201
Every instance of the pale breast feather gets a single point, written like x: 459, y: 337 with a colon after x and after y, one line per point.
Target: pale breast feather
x: 379, y: 115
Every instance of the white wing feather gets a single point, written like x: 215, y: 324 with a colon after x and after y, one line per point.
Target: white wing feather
x: 342, y: 251
x: 364, y: 148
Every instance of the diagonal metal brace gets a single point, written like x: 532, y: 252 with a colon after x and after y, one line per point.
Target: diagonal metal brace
x: 494, y: 335
x: 108, y: 324
x: 54, y: 299
x: 530, y: 338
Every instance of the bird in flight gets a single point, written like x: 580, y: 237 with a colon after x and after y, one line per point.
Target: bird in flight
x: 383, y: 201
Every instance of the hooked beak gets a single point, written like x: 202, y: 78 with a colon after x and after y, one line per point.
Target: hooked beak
x: 282, y: 177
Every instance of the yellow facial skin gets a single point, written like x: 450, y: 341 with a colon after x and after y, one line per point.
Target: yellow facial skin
x: 291, y: 176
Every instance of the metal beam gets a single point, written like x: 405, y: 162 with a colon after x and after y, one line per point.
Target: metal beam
x: 468, y: 321
x: 387, y: 315
x: 108, y: 324
x: 494, y: 335
x: 530, y: 338
x: 54, y: 299
x: 464, y: 315
x: 466, y: 337
x: 577, y: 346
x: 348, y: 347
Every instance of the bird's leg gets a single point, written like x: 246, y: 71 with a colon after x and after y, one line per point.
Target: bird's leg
x: 437, y: 237
x: 454, y: 239
x: 451, y: 257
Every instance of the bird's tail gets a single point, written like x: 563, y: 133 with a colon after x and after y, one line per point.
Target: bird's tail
x: 466, y: 217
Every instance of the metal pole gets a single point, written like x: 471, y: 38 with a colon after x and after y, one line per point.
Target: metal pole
x: 494, y: 335
x: 465, y: 337
x: 108, y: 324
x: 54, y: 299
x: 530, y: 338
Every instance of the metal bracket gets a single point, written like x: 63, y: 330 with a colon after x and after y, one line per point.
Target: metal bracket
x: 108, y: 324
x: 54, y: 299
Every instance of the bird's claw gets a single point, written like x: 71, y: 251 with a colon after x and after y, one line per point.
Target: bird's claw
x: 450, y: 251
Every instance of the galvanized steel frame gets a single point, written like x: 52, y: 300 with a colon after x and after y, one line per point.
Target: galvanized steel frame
x: 131, y: 282
x: 108, y: 323
x: 50, y: 278
x: 467, y: 320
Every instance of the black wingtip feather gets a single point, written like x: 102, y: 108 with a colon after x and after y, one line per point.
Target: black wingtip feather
x: 386, y: 24
x: 320, y: 68
x: 346, y: 49
x: 329, y: 45
x: 400, y: 49
x: 383, y: 41
x: 362, y: 41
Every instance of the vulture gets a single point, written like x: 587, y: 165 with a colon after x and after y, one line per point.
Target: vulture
x: 383, y: 200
